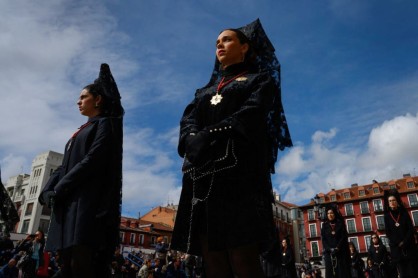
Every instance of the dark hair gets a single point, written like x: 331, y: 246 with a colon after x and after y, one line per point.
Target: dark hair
x: 352, y: 244
x: 96, y: 90
x: 394, y: 193
x: 249, y: 56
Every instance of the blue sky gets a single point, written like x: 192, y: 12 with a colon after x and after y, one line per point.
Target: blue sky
x: 349, y: 84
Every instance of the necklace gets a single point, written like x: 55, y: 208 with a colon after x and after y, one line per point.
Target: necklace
x: 217, y: 98
x: 396, y: 220
x: 332, y: 228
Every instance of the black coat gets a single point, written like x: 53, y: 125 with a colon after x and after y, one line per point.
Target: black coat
x: 396, y: 234
x: 332, y: 241
x: 85, y: 212
x: 236, y: 192
x: 357, y: 266
x: 288, y: 269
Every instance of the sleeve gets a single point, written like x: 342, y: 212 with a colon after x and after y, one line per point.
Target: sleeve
x: 325, y: 244
x: 49, y: 186
x: 344, y: 236
x: 388, y: 228
x: 95, y: 159
x: 409, y: 235
x: 188, y: 124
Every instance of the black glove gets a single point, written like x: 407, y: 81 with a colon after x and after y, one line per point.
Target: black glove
x: 334, y: 251
x: 48, y: 198
x: 197, y: 147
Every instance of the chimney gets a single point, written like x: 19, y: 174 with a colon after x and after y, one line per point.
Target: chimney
x: 407, y: 175
x: 354, y: 185
x: 139, y: 215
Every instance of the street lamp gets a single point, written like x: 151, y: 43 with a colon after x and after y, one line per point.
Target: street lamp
x: 317, y: 206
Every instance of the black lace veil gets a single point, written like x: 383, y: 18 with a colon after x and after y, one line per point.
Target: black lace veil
x: 112, y: 203
x: 265, y: 60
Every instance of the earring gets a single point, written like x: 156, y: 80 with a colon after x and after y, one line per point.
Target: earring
x: 96, y: 105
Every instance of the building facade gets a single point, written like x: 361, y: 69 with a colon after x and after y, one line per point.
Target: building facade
x: 24, y: 190
x: 362, y: 209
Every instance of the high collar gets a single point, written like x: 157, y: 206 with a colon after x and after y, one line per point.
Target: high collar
x: 234, y: 69
x: 95, y: 118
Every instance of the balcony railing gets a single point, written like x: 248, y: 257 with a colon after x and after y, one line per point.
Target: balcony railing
x: 367, y: 229
x: 364, y: 211
x: 349, y: 213
x: 378, y: 209
x: 414, y: 204
x: 380, y: 227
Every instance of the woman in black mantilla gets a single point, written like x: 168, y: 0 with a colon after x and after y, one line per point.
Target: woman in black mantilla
x: 85, y: 191
x: 357, y: 263
x: 335, y: 243
x: 229, y: 135
x: 400, y: 232
x: 379, y: 255
x: 288, y: 269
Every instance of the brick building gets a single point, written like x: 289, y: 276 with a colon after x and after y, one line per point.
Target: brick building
x: 362, y: 209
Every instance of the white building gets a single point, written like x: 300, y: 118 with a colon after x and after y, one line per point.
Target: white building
x: 24, y: 191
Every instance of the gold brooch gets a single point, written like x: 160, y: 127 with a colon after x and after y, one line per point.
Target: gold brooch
x: 242, y: 78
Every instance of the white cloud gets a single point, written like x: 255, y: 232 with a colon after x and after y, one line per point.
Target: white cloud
x: 392, y: 151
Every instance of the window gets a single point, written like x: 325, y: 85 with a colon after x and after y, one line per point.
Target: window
x: 367, y: 224
x: 315, y: 249
x: 25, y: 227
x: 385, y: 241
x: 355, y: 241
x: 415, y: 217
x: 376, y: 190
x: 413, y: 201
x: 132, y: 239
x: 311, y: 214
x: 410, y: 184
x: 122, y: 237
x: 364, y: 207
x: 312, y: 230
x: 29, y: 208
x: 361, y: 193
x: 392, y: 186
x: 380, y: 219
x: 333, y: 198
x: 351, y: 226
x: 153, y: 239
x: 141, y: 239
x: 43, y: 225
x: 367, y: 241
x: 321, y: 200
x: 349, y: 209
x: 377, y: 205
x: 46, y: 210
x: 346, y: 195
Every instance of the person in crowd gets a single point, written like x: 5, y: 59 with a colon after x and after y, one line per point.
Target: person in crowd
x: 174, y: 269
x: 229, y: 137
x: 378, y: 253
x: 288, y: 269
x: 271, y: 260
x: 357, y: 263
x: 400, y: 232
x: 161, y: 249
x: 372, y: 269
x: 189, y: 265
x: 33, y: 258
x: 85, y: 191
x: 158, y: 269
x: 335, y: 242
x: 145, y: 271
x: 10, y: 269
